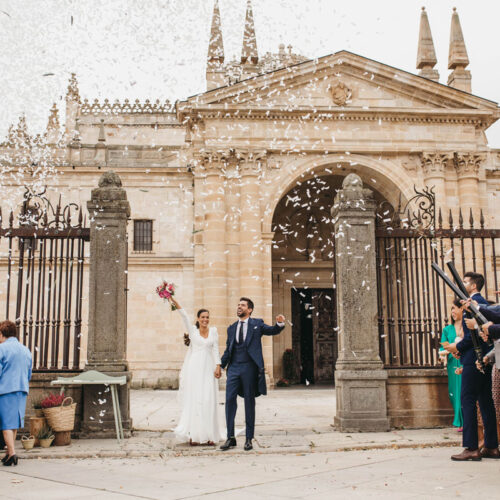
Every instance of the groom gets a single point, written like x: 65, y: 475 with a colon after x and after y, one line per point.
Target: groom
x: 245, y: 367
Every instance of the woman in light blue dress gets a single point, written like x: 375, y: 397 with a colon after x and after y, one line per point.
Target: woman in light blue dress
x: 453, y: 333
x: 15, y: 374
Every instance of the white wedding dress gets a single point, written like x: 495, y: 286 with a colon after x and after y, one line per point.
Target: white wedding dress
x: 198, y: 387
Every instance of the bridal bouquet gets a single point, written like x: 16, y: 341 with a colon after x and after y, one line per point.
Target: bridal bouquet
x: 165, y: 291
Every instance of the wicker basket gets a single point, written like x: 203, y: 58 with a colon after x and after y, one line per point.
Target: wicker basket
x: 61, y: 418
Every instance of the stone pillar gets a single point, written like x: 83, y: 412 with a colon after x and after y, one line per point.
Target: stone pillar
x: 214, y: 241
x: 251, y: 234
x: 109, y: 211
x: 199, y: 225
x: 232, y: 238
x: 467, y: 166
x: 253, y: 257
x: 360, y: 376
x: 434, y: 168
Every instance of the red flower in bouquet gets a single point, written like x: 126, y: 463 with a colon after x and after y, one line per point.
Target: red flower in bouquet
x: 165, y: 291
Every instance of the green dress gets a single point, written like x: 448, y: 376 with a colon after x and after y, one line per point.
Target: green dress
x: 454, y: 381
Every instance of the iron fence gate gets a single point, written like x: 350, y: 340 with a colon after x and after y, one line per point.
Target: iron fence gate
x: 42, y: 267
x: 413, y: 305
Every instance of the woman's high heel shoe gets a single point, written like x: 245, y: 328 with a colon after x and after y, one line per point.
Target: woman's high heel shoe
x: 4, y: 459
x: 12, y: 460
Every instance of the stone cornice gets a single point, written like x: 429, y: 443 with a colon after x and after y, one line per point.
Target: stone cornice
x: 468, y: 164
x: 478, y: 118
x: 434, y: 164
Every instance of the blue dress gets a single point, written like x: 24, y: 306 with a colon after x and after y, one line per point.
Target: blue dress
x: 15, y: 373
x: 12, y: 409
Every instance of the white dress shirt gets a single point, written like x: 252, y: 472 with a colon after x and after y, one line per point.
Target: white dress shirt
x: 245, y: 329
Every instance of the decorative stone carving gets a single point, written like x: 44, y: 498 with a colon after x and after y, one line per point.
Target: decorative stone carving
x: 434, y: 164
x: 468, y: 164
x: 244, y: 160
x: 340, y: 92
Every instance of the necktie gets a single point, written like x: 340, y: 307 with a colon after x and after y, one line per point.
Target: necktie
x: 240, y: 333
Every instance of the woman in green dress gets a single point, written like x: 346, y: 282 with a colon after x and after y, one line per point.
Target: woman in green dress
x: 452, y: 334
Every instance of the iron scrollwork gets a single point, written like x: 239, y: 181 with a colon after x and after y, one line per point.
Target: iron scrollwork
x: 418, y: 213
x: 38, y: 211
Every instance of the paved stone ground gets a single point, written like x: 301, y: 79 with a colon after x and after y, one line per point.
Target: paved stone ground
x: 288, y: 421
x: 282, y: 409
x: 384, y: 474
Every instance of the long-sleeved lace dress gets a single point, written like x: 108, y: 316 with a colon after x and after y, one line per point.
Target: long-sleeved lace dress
x: 198, y: 387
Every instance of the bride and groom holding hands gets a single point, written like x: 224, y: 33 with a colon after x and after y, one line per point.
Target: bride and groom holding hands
x: 198, y: 381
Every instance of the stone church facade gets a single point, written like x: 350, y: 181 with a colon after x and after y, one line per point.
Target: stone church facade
x: 231, y: 189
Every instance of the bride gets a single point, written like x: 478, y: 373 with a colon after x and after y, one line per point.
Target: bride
x: 198, y: 386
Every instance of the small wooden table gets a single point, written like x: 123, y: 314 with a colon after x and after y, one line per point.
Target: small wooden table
x: 93, y: 377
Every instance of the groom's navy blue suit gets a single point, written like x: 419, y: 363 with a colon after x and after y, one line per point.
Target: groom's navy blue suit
x: 245, y: 371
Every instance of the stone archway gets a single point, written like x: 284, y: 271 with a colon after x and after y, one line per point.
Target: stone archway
x: 303, y: 276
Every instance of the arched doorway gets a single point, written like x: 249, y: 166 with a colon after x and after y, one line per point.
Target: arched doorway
x: 303, y: 279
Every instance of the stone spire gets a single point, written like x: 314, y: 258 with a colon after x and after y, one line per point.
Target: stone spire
x: 215, y: 57
x: 72, y: 105
x: 426, y: 55
x: 458, y: 60
x: 249, y: 54
x: 53, y: 125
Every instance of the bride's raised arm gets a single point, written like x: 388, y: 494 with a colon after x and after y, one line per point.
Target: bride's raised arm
x: 185, y: 318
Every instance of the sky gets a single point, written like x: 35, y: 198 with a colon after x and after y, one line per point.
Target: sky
x: 157, y: 48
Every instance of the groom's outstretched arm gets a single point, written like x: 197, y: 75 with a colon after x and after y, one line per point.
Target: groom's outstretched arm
x: 275, y: 329
x: 225, y: 357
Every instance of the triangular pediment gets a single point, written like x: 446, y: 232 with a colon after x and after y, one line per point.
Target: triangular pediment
x: 344, y: 80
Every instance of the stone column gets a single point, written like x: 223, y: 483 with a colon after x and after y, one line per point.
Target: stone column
x: 251, y: 233
x: 360, y: 376
x: 109, y: 211
x: 467, y: 166
x: 434, y: 168
x: 214, y: 242
x: 253, y: 256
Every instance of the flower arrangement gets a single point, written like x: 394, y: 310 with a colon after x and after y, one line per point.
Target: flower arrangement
x: 165, y: 291
x: 283, y: 382
x: 52, y: 400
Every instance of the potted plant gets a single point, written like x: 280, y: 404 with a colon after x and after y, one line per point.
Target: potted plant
x: 45, y: 436
x: 28, y: 442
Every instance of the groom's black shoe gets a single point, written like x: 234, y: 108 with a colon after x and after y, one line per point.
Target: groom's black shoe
x: 230, y: 443
x: 248, y: 445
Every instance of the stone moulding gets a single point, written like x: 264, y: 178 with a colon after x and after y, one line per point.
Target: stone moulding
x: 481, y: 119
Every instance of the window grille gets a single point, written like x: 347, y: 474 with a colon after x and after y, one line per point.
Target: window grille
x: 143, y: 235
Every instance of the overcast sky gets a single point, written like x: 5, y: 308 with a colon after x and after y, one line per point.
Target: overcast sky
x: 157, y: 48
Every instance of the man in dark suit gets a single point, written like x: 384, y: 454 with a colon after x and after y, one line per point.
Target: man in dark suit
x: 476, y: 386
x: 245, y: 367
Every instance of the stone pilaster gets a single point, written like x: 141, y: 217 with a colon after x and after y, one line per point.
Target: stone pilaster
x: 434, y: 169
x: 360, y: 376
x: 214, y: 241
x: 109, y: 211
x: 467, y: 166
x: 251, y: 230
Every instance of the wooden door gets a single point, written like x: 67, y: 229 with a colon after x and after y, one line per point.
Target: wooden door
x: 324, y: 334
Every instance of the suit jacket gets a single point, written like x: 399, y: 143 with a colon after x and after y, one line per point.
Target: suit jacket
x: 15, y: 367
x: 255, y: 329
x: 491, y: 313
x: 466, y: 347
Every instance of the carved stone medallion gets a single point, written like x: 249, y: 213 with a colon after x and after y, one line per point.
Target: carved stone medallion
x: 341, y: 93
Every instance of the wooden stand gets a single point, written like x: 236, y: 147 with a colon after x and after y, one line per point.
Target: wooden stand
x: 36, y: 425
x: 62, y: 438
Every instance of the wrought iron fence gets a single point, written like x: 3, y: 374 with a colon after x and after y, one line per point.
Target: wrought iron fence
x: 413, y: 306
x: 42, y: 263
